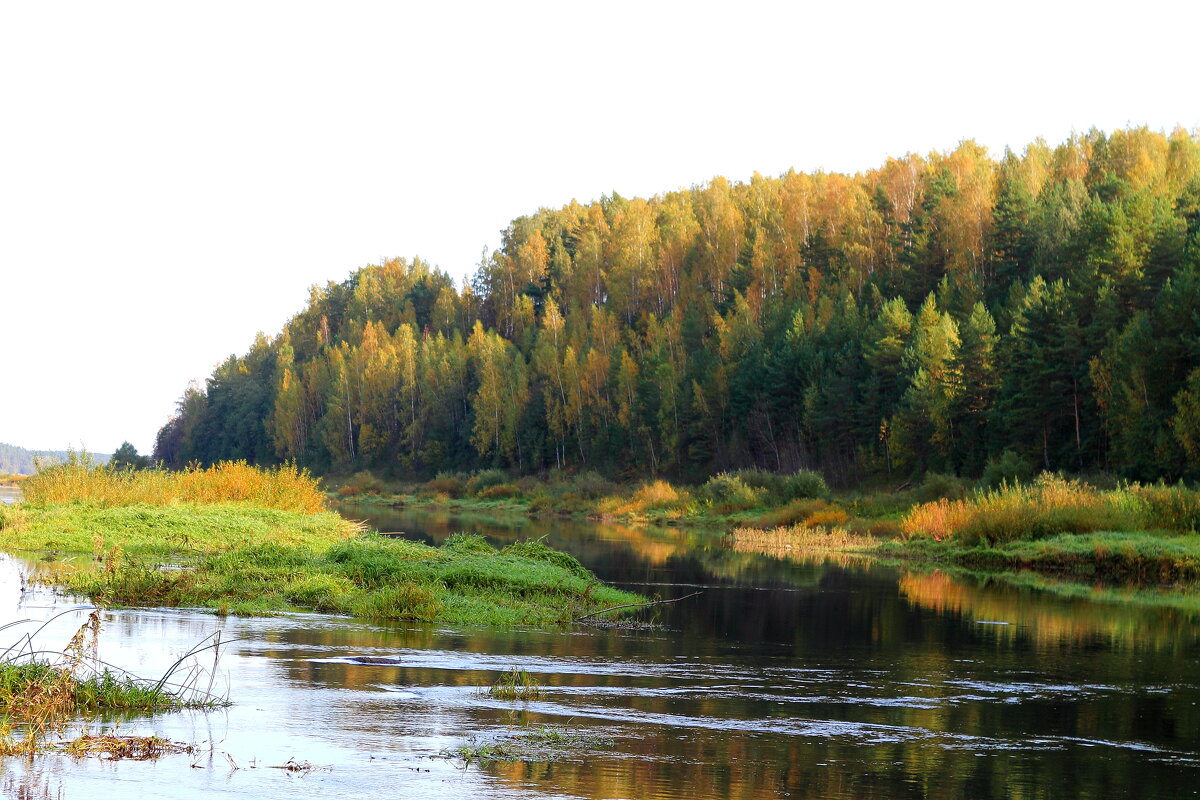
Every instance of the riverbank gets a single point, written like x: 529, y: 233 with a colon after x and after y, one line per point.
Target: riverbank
x: 240, y: 556
x: 1122, y: 557
x: 1053, y: 525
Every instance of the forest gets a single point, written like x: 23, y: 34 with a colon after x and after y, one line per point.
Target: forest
x: 934, y: 314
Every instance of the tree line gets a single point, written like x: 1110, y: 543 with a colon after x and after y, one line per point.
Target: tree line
x: 929, y: 315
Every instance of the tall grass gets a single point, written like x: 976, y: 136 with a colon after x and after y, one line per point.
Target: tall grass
x: 286, y: 488
x: 654, y: 496
x: 1052, y: 505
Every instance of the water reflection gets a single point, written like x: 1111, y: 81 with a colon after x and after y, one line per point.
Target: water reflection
x: 783, y: 679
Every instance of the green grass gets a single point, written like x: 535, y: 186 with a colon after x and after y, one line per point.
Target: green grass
x: 98, y: 694
x: 163, y: 531
x: 240, y: 559
x: 515, y: 684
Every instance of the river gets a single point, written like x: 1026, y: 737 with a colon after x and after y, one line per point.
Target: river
x: 823, y: 679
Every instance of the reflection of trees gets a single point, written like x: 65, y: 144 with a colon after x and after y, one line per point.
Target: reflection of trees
x: 1038, y: 613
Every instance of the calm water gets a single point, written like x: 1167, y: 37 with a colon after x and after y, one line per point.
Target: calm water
x: 817, y: 680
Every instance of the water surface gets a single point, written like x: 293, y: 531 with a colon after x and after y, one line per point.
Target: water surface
x: 781, y: 679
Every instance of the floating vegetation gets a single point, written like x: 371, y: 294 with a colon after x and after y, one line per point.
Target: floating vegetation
x: 302, y: 767
x: 541, y: 744
x: 114, y: 748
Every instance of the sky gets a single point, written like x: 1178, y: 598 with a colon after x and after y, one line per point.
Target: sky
x: 174, y: 176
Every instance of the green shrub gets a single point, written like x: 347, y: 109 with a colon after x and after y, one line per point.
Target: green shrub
x: 1175, y: 508
x: 485, y: 479
x: 1010, y: 468
x: 938, y: 486
x: 590, y: 485
x: 773, y: 485
x: 805, y: 483
x: 360, y: 483
x: 728, y: 493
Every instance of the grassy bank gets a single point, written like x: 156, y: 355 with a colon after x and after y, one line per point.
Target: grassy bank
x: 745, y: 496
x: 1051, y: 524
x: 126, y: 544
x: 1144, y: 534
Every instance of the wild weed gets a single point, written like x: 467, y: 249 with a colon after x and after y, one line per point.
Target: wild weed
x: 515, y: 684
x: 39, y: 695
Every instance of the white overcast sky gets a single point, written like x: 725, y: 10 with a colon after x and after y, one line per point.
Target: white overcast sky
x: 174, y: 175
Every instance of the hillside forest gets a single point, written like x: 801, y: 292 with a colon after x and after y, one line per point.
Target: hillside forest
x: 933, y: 314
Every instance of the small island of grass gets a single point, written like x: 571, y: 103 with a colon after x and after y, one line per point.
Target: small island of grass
x: 237, y: 539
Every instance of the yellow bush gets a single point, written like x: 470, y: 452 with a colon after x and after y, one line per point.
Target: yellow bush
x: 654, y: 496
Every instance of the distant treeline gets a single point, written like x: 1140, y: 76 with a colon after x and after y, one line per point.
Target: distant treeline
x: 932, y: 314
x: 19, y: 461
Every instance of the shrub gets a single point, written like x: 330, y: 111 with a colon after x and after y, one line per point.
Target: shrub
x: 447, y: 484
x: 828, y: 518
x: 729, y: 493
x: 1009, y: 468
x: 1174, y: 508
x: 805, y: 483
x: 782, y: 488
x: 1048, y: 506
x: 937, y: 486
x: 485, y: 479
x: 360, y: 483
x: 772, y: 483
x: 590, y: 485
x: 499, y: 491
x: 654, y: 496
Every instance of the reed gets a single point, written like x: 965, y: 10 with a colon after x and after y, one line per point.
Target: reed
x: 782, y: 541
